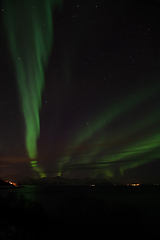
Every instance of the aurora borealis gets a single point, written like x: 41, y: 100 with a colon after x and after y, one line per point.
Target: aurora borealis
x: 29, y: 27
x: 80, y: 89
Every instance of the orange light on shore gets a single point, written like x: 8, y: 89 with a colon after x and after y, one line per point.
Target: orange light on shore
x: 12, y: 183
x: 133, y: 184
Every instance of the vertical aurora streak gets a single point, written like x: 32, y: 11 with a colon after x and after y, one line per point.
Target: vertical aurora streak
x: 29, y: 28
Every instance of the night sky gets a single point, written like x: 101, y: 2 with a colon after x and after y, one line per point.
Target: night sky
x: 79, y: 89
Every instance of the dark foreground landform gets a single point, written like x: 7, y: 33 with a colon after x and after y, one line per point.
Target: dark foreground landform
x: 83, y: 212
x: 21, y: 180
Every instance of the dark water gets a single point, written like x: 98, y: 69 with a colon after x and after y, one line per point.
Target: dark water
x: 128, y: 211
x: 146, y: 198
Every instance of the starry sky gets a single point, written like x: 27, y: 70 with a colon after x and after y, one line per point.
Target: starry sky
x: 98, y: 104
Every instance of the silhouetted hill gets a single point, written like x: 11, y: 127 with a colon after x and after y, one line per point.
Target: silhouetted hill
x: 55, y: 181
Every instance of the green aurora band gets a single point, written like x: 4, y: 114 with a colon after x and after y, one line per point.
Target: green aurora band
x: 30, y: 33
x: 129, y: 149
